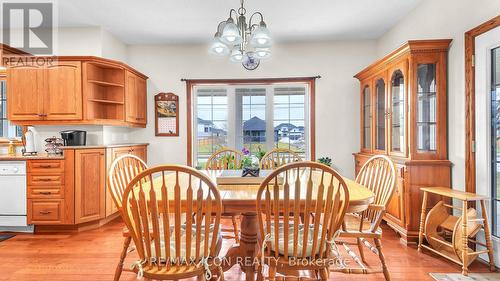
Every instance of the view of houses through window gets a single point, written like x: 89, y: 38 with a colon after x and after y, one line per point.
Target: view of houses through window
x: 257, y: 117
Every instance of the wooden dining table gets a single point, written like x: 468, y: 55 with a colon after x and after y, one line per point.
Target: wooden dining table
x: 241, y: 198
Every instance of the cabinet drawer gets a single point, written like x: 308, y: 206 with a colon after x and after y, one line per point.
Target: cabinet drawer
x: 45, y: 166
x: 45, y: 192
x: 45, y: 211
x: 46, y: 179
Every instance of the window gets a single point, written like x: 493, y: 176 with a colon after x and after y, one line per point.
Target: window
x: 211, y: 121
x: 495, y: 134
x: 259, y: 117
x: 7, y: 130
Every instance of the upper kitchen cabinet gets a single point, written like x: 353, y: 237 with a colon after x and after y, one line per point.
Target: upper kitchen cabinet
x: 62, y: 98
x: 135, y: 98
x: 76, y: 90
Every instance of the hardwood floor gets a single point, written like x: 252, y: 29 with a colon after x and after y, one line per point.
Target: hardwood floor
x: 92, y: 255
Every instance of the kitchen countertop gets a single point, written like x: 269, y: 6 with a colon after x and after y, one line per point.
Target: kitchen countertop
x: 19, y: 157
x: 103, y: 146
x: 44, y: 155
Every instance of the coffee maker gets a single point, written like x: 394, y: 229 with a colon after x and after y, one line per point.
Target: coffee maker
x: 74, y: 137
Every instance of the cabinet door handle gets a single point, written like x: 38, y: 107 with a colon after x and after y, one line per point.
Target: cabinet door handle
x: 45, y: 166
x: 44, y: 179
x: 45, y: 212
x: 45, y: 192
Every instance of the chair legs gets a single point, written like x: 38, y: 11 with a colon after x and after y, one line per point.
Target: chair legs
x: 360, y: 248
x: 382, y: 259
x: 324, y: 274
x: 119, y: 267
x: 235, y: 229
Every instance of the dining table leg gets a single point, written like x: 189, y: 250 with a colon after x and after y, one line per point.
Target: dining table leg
x: 244, y: 254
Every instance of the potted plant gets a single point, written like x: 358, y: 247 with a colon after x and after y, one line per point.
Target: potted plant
x: 249, y: 164
x: 325, y: 161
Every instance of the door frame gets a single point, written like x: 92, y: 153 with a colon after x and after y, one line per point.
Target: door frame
x: 470, y: 101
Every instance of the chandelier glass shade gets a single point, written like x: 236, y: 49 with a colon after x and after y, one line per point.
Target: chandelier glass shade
x: 243, y: 42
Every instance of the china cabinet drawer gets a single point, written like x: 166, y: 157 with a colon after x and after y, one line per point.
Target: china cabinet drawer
x: 45, y: 192
x: 46, y: 179
x: 45, y: 166
x: 45, y: 211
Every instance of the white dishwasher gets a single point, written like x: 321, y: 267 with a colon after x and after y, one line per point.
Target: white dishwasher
x: 13, y: 211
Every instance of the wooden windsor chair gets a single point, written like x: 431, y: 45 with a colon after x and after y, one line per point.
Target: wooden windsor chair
x: 227, y: 159
x: 379, y: 175
x: 169, y: 248
x: 121, y: 172
x: 301, y: 189
x: 277, y: 158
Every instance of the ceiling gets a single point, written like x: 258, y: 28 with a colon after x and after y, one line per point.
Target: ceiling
x: 195, y: 21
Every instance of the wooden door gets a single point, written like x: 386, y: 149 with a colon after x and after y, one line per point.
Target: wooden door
x: 141, y: 100
x: 63, y: 92
x: 428, y: 122
x: 366, y: 116
x: 380, y: 113
x: 25, y: 89
x: 395, y: 208
x: 89, y: 185
x: 397, y: 107
x: 131, y: 98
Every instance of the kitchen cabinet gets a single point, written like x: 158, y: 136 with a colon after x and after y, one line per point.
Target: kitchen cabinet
x: 25, y: 93
x: 49, y: 192
x: 63, y: 91
x: 45, y: 93
x: 403, y: 115
x: 113, y: 153
x: 135, y: 98
x: 76, y: 90
x: 90, y: 177
x: 73, y: 191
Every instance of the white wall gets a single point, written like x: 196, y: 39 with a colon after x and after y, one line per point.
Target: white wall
x: 433, y: 19
x: 337, y: 92
x: 76, y: 41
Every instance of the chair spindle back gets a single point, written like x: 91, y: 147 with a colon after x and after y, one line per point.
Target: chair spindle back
x: 153, y: 205
x: 379, y: 175
x: 224, y: 159
x: 299, y: 190
x: 278, y: 157
x: 123, y: 169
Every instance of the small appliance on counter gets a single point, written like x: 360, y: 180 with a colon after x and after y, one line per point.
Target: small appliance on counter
x: 29, y: 143
x: 74, y: 137
x: 53, y: 146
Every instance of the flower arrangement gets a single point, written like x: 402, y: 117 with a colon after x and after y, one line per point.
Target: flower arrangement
x: 249, y: 163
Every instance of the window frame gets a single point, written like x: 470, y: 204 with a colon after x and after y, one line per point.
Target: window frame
x: 310, y: 82
x: 3, y: 140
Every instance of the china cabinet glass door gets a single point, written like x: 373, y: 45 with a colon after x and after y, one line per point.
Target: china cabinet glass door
x: 367, y: 118
x: 380, y: 114
x: 398, y: 113
x: 426, y: 108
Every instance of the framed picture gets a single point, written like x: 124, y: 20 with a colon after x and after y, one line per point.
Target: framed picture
x: 166, y: 114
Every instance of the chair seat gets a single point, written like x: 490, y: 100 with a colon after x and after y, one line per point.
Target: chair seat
x: 300, y: 246
x: 352, y: 222
x: 183, y: 248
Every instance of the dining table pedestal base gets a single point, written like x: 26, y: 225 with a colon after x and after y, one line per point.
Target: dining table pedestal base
x: 244, y: 254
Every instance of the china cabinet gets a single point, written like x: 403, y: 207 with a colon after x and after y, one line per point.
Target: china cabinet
x: 403, y: 115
